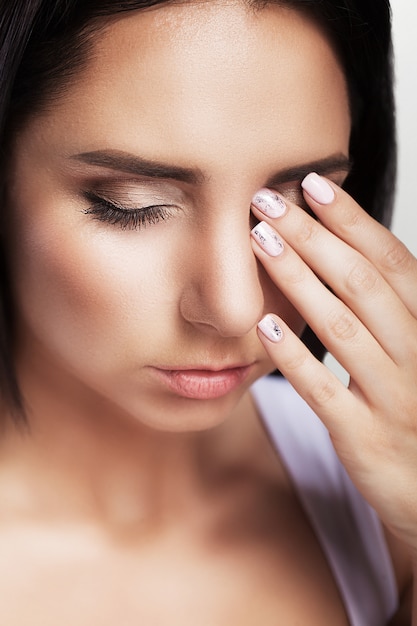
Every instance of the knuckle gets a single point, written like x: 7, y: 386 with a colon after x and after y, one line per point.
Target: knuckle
x: 295, y: 275
x: 322, y: 392
x: 306, y: 233
x: 296, y: 361
x: 396, y: 258
x: 362, y: 278
x: 342, y: 325
x: 349, y: 219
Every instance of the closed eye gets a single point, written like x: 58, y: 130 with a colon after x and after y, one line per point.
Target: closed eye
x: 127, y: 218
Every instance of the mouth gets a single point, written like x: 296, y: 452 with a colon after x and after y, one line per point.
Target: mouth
x: 203, y: 384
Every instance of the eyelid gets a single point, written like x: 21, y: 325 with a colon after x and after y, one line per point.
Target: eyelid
x: 135, y: 193
x: 127, y: 219
x: 293, y: 193
x: 128, y: 203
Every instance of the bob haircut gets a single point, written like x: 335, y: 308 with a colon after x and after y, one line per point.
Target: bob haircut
x: 43, y: 43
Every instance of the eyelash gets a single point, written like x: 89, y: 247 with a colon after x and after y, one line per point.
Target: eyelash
x: 127, y: 219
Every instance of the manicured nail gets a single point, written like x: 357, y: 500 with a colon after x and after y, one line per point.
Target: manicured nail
x: 269, y: 327
x: 318, y: 188
x: 269, y: 202
x: 268, y: 239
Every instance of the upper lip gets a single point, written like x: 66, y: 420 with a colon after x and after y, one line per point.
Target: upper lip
x: 206, y: 368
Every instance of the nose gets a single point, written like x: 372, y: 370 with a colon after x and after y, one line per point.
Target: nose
x: 224, y: 295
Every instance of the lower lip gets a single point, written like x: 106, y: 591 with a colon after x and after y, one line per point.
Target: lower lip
x: 203, y: 384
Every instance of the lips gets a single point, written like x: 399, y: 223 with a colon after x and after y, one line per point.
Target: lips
x: 203, y: 384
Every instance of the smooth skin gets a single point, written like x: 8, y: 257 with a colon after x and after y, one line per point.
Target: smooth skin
x: 127, y: 501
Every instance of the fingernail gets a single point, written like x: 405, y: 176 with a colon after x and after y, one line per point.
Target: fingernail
x: 268, y: 239
x: 318, y: 188
x: 269, y: 202
x: 270, y: 328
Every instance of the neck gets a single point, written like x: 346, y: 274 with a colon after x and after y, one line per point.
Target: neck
x: 83, y: 459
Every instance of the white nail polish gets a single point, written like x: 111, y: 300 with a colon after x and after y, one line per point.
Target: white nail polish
x: 270, y: 328
x: 318, y: 188
x: 269, y: 202
x: 268, y: 239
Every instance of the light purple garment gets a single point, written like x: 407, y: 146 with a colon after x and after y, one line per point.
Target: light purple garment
x: 346, y: 527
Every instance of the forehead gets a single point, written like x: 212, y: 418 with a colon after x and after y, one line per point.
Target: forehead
x: 208, y: 81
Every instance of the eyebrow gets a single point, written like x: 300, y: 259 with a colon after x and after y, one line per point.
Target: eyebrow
x: 328, y: 165
x: 138, y: 166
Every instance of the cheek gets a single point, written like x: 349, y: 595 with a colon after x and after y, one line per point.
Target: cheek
x: 90, y: 291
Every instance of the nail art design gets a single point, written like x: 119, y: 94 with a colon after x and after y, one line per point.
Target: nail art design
x: 318, y: 188
x: 270, y: 328
x: 269, y: 202
x: 268, y: 239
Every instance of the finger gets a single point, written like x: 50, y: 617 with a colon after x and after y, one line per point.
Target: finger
x: 344, y: 217
x: 339, y: 329
x: 355, y: 280
x: 319, y: 387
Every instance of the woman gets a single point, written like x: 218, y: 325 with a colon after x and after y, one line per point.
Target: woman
x: 143, y: 143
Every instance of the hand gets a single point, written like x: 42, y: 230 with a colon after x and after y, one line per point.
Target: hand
x: 368, y: 322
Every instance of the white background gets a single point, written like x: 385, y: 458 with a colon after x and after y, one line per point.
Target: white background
x: 404, y: 14
x: 405, y: 46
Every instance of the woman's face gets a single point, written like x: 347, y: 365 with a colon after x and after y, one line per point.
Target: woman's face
x: 188, y: 109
